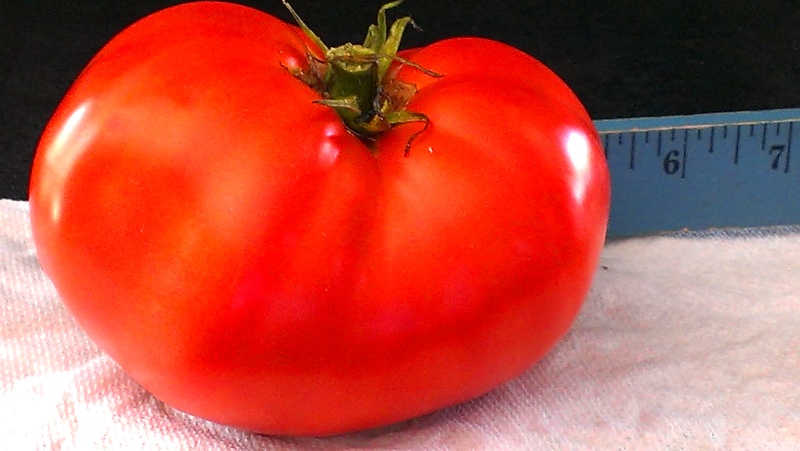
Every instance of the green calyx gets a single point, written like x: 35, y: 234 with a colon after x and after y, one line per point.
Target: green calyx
x: 352, y: 78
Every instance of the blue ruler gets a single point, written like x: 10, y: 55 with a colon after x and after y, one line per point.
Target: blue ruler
x: 703, y: 171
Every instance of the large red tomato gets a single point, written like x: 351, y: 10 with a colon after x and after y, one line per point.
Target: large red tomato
x: 214, y: 225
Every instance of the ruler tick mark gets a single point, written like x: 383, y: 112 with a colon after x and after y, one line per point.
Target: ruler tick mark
x: 788, y: 148
x: 736, y: 148
x: 685, y: 152
x: 633, y: 151
x: 711, y: 141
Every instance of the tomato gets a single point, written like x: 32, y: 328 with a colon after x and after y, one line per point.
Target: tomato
x: 213, y: 223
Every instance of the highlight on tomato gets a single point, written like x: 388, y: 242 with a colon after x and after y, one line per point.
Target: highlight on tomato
x: 291, y: 238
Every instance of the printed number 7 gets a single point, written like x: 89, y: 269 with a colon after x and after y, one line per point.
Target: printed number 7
x: 777, y: 151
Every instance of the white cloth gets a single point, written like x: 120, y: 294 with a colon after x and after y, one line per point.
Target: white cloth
x: 684, y: 343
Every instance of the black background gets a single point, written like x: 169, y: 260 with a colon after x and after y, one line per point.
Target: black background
x: 622, y: 58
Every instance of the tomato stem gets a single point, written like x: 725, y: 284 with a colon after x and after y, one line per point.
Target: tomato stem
x: 352, y: 86
x: 352, y: 78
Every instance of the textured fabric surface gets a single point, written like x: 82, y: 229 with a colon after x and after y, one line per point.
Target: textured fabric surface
x: 685, y: 342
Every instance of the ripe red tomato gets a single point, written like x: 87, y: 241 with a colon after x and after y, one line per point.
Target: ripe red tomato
x: 247, y: 258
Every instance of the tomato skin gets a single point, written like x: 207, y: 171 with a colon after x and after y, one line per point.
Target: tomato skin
x: 248, y: 260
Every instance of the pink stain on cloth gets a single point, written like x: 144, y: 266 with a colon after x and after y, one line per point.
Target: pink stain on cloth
x: 685, y: 342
